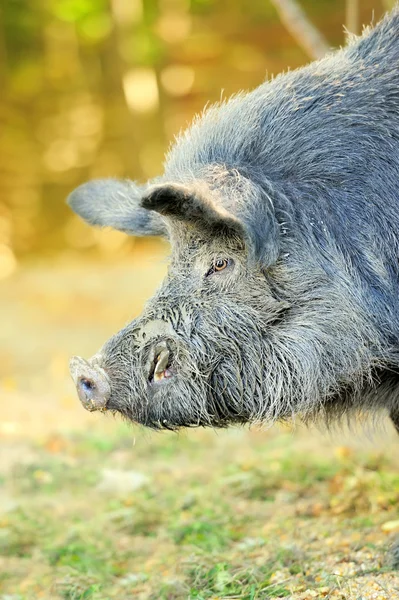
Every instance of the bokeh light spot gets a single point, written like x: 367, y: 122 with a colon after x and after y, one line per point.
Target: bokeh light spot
x: 177, y: 80
x: 174, y: 27
x: 61, y: 155
x: 126, y: 13
x: 141, y: 90
x: 8, y: 262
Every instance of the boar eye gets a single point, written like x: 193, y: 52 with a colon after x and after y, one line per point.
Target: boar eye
x: 219, y: 265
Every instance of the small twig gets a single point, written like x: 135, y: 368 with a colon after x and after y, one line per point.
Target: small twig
x: 352, y: 16
x: 299, y: 26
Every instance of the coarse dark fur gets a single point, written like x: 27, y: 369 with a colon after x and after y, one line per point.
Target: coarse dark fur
x: 297, y: 184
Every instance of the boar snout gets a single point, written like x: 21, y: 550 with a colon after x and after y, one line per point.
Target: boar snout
x: 91, y: 382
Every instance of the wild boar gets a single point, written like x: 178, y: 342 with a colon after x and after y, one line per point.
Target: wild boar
x: 281, y: 206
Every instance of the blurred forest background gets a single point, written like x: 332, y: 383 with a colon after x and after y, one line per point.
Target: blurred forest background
x: 99, y: 88
x: 91, y: 508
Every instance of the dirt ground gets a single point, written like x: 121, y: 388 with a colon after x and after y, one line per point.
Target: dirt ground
x: 91, y: 508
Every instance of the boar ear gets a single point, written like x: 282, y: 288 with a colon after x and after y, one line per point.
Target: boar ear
x: 262, y: 228
x: 112, y: 203
x: 190, y: 206
x: 258, y: 230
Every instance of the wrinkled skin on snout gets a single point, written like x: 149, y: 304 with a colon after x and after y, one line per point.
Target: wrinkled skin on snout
x: 281, y: 293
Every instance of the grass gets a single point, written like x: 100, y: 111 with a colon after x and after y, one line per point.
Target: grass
x: 235, y: 515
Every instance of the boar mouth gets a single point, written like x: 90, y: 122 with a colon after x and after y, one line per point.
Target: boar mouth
x: 160, y: 364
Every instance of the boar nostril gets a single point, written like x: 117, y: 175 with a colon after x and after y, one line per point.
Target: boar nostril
x: 92, y: 383
x: 87, y: 384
